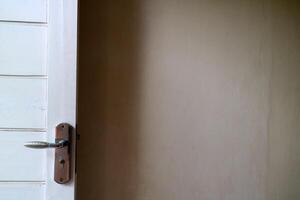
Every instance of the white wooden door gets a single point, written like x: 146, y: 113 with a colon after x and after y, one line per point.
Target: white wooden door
x: 37, y: 92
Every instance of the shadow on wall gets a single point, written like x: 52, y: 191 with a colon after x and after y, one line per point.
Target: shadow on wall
x: 108, y: 99
x: 217, y: 92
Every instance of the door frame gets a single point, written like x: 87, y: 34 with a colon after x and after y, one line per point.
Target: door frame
x: 62, y: 86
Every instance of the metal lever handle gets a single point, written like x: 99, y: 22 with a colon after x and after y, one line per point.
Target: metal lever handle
x: 44, y: 145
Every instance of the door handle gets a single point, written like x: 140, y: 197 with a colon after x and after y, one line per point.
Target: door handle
x: 44, y: 145
x: 63, y: 152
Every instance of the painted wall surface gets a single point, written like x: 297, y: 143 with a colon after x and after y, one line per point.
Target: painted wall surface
x: 189, y: 100
x: 284, y: 131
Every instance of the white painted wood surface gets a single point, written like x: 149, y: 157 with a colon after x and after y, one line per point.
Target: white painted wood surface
x: 19, y: 163
x: 37, y: 92
x: 23, y: 10
x: 22, y: 191
x: 23, y: 49
x: 62, y: 84
x: 23, y: 102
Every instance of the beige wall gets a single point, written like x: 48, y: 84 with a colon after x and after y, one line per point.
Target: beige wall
x: 186, y: 99
x: 284, y: 133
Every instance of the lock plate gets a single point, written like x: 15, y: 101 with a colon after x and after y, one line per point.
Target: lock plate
x: 62, y: 164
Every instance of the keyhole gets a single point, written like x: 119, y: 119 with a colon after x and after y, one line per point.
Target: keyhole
x: 62, y: 161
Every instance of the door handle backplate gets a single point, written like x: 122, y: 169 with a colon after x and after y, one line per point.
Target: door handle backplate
x: 63, y: 154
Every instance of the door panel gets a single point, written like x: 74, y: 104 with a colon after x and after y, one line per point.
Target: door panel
x: 20, y: 10
x: 37, y: 92
x: 23, y: 49
x: 23, y: 102
x: 19, y: 159
x: 20, y: 191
